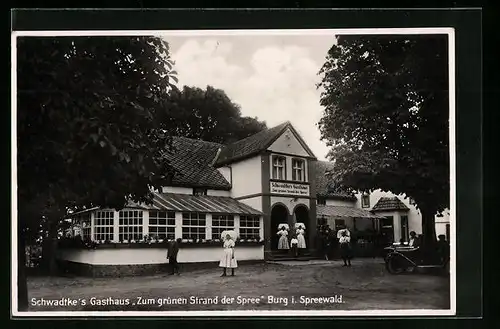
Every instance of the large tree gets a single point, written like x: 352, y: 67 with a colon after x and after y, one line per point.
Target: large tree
x: 209, y: 115
x: 87, y: 128
x: 385, y: 117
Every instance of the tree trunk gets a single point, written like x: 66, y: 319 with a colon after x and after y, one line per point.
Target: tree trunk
x: 428, y: 228
x: 22, y: 284
x: 51, y: 260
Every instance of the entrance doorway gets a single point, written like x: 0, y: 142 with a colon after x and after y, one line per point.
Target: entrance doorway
x: 387, y: 229
x: 302, y: 216
x: 279, y: 215
x: 405, y: 230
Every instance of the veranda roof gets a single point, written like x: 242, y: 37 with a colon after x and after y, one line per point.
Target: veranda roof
x: 344, y: 212
x: 194, y: 203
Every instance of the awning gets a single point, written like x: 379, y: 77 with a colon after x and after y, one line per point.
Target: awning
x: 344, y: 212
x: 194, y: 203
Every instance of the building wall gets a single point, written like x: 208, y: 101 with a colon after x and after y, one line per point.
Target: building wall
x: 290, y: 202
x: 218, y: 193
x: 141, y: 256
x: 289, y: 144
x: 343, y: 203
x: 254, y: 202
x: 177, y: 228
x: 289, y: 159
x: 189, y: 190
x: 246, y: 176
x: 177, y: 190
x: 226, y: 172
x: 414, y: 217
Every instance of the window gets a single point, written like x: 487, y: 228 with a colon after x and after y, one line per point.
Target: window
x: 221, y: 223
x: 130, y: 225
x: 103, y: 226
x: 193, y: 226
x: 405, y: 232
x: 86, y: 227
x: 365, y: 200
x: 199, y: 191
x: 339, y: 224
x: 298, y: 171
x: 321, y: 200
x: 249, y: 227
x: 162, y: 224
x: 279, y: 167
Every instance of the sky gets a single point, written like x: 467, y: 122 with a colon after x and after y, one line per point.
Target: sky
x: 271, y: 77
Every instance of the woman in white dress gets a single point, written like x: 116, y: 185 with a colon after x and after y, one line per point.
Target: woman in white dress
x: 283, y: 241
x: 228, y: 260
x: 300, y: 236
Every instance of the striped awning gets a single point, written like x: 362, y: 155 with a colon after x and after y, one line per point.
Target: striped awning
x: 194, y: 203
x: 344, y: 212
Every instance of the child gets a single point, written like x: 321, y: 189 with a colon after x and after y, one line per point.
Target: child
x: 345, y: 248
x: 294, y: 243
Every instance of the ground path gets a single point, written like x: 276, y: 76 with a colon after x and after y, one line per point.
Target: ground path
x: 364, y: 286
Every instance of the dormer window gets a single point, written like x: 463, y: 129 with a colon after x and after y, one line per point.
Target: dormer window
x: 365, y: 200
x: 298, y: 170
x: 199, y: 191
x: 279, y: 167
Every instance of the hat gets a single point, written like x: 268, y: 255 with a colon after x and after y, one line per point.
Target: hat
x: 231, y: 233
x: 300, y: 225
x: 285, y: 225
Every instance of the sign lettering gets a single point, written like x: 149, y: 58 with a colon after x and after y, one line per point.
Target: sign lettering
x: 289, y: 188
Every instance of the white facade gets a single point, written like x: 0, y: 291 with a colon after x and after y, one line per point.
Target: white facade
x: 190, y: 191
x: 247, y: 177
x: 288, y: 143
x: 414, y: 216
x: 144, y: 256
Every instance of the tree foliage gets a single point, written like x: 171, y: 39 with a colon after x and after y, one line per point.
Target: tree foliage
x: 208, y: 115
x: 87, y: 128
x: 385, y: 117
x: 86, y: 114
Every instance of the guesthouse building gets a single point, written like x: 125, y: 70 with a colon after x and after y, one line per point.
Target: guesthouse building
x: 250, y: 186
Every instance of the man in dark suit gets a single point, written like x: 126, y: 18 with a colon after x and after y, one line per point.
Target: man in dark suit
x: 173, y: 250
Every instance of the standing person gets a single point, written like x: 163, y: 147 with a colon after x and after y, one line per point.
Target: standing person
x: 300, y: 236
x: 345, y: 248
x: 343, y: 228
x: 443, y: 248
x: 228, y: 260
x: 283, y: 241
x: 173, y: 250
x: 327, y: 245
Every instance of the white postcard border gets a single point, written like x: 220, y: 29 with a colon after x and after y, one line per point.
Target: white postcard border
x: 351, y: 31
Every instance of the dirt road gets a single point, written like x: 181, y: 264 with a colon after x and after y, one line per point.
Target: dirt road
x: 364, y: 286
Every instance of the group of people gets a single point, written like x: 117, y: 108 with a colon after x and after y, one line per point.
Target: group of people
x: 228, y: 261
x: 297, y: 241
x: 331, y: 242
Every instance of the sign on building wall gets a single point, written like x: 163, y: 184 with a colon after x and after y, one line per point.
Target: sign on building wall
x: 289, y: 188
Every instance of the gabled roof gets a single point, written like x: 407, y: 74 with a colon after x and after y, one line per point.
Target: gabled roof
x: 192, y: 203
x: 192, y: 159
x: 324, y: 186
x: 389, y: 204
x: 255, y: 144
x: 344, y: 212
